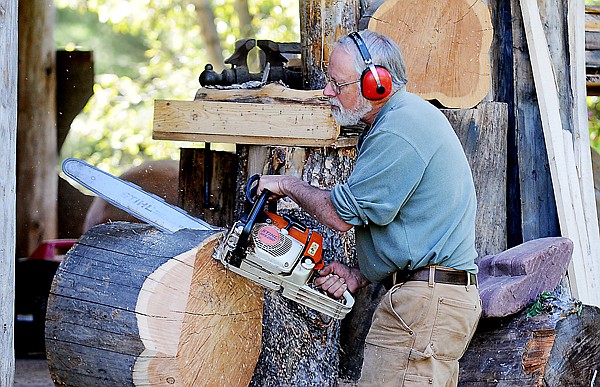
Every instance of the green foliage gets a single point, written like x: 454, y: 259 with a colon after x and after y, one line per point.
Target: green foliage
x: 541, y: 305
x: 146, y: 50
x: 594, y: 121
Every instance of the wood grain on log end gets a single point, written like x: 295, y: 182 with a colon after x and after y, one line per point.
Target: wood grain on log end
x: 445, y: 46
x: 213, y: 337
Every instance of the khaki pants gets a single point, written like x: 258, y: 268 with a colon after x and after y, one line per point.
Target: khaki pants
x: 418, y: 333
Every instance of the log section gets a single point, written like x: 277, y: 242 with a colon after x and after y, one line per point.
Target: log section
x: 558, y: 347
x: 132, y: 305
x: 445, y: 47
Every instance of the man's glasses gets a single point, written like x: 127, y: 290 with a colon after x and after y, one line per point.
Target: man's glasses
x: 337, y: 87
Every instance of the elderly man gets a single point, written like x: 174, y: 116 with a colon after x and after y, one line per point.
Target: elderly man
x: 411, y: 201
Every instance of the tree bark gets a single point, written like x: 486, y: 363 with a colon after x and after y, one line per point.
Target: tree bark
x: 8, y: 141
x: 558, y: 347
x: 37, y: 155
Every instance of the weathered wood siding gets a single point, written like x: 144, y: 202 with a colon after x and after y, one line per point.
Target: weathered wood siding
x: 8, y: 140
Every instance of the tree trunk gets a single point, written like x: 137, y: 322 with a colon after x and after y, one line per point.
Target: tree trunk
x: 37, y: 156
x: 212, y: 43
x: 310, y: 353
x: 321, y: 24
x: 559, y: 347
x: 8, y: 140
x: 133, y: 305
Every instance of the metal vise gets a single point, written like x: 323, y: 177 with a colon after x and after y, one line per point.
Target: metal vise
x: 271, y: 54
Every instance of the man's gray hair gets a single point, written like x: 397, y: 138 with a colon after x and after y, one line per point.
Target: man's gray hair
x: 384, y: 52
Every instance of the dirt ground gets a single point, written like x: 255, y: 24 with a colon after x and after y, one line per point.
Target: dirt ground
x: 32, y: 373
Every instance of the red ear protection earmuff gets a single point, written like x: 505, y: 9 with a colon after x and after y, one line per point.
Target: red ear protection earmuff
x: 375, y: 81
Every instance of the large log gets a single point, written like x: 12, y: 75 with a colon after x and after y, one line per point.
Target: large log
x: 133, y: 305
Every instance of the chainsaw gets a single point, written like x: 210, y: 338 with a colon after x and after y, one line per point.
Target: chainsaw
x: 273, y: 251
x: 279, y: 253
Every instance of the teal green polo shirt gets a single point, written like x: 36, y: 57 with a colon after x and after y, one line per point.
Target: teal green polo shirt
x: 411, y: 195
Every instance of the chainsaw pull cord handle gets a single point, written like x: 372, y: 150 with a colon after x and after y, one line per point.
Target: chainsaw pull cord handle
x: 240, y: 249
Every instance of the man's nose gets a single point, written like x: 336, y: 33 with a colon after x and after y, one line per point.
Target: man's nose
x: 328, y: 90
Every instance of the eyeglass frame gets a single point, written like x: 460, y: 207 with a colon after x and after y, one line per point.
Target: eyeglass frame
x: 337, y: 87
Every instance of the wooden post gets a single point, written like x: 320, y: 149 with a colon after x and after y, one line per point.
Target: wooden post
x: 8, y: 141
x: 321, y: 24
x: 36, y: 149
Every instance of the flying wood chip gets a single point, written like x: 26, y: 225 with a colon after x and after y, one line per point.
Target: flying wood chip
x: 445, y: 46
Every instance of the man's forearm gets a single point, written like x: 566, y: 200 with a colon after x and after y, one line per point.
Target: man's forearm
x: 317, y: 202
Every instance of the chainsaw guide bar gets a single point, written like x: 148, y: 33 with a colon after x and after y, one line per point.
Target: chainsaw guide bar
x: 132, y: 199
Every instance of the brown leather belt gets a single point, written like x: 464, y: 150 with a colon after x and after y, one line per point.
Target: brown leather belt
x: 441, y: 275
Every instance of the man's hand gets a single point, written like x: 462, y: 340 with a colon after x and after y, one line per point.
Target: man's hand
x: 336, y: 278
x: 275, y: 184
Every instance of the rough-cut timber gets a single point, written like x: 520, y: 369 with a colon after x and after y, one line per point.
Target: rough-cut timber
x: 556, y: 348
x: 596, y: 171
x: 273, y: 115
x: 511, y: 280
x: 445, y: 45
x: 132, y: 305
x: 482, y: 132
x: 208, y: 188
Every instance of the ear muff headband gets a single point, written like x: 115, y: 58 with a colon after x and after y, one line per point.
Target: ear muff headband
x: 376, y: 81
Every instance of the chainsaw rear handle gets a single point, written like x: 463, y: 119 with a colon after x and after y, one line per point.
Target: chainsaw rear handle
x: 240, y: 248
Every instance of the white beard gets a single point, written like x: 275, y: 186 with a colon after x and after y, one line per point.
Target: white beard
x: 346, y: 117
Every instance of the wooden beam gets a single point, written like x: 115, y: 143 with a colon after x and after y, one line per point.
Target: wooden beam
x: 273, y: 115
x: 8, y: 140
x: 559, y: 146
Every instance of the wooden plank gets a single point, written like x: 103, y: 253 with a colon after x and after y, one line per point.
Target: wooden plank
x: 268, y: 94
x: 245, y: 123
x: 581, y: 142
x: 532, y: 191
x: 592, y: 40
x: 445, y: 46
x: 570, y: 210
x: 592, y: 21
x: 219, y: 169
x: 596, y: 172
x: 8, y: 140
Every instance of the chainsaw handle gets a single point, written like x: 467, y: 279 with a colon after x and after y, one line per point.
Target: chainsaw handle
x: 240, y: 248
x: 349, y: 300
x: 251, y: 191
